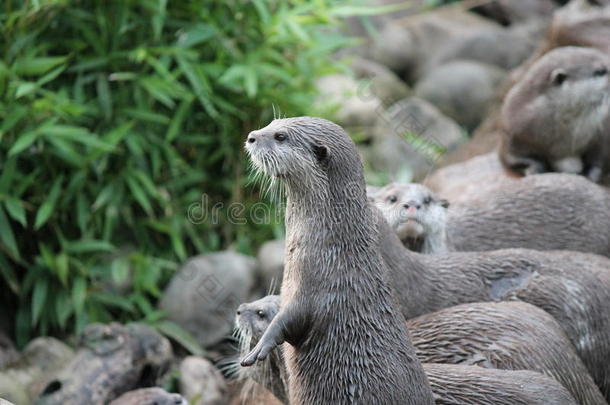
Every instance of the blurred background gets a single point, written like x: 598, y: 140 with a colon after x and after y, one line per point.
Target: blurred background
x: 121, y: 143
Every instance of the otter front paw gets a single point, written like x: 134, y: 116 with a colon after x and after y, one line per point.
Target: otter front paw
x: 259, y: 353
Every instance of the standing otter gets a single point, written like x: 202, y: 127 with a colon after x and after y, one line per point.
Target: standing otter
x: 335, y: 282
x: 556, y: 117
x: 416, y: 214
x: 504, y: 335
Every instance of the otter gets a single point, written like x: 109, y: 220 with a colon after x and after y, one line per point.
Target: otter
x: 550, y: 211
x: 556, y: 117
x: 417, y: 215
x: 149, y: 396
x: 335, y: 281
x: 504, y: 335
x: 558, y: 207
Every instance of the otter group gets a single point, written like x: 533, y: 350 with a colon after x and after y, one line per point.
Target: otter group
x: 399, y: 295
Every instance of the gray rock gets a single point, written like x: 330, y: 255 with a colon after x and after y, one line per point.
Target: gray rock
x: 112, y: 359
x: 462, y: 90
x: 27, y: 375
x: 499, y: 47
x: 270, y: 259
x: 382, y: 82
x: 356, y: 108
x: 409, y: 137
x: 203, y: 295
x: 201, y: 383
x: 149, y: 396
x: 407, y: 47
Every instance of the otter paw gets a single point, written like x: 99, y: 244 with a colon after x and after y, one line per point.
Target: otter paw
x: 259, y: 353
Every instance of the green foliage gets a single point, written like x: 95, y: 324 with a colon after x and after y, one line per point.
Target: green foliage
x: 117, y: 116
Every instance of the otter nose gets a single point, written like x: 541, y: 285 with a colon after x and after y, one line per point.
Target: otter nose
x: 412, y: 206
x: 240, y: 309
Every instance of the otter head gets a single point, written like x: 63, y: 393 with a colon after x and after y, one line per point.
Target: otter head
x: 568, y: 88
x: 306, y: 154
x: 252, y: 318
x: 412, y: 210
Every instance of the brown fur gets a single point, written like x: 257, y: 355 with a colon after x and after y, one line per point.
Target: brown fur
x: 555, y: 118
x: 509, y: 336
x: 335, y: 282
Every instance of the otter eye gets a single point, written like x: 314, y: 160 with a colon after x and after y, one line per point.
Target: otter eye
x: 260, y: 313
x: 427, y: 200
x: 558, y: 77
x: 280, y: 136
x: 392, y: 199
x: 600, y: 72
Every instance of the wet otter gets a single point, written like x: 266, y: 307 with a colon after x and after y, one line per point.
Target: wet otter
x: 573, y: 287
x: 504, y: 335
x: 417, y: 215
x: 542, y: 212
x: 335, y: 282
x: 149, y: 396
x: 556, y: 117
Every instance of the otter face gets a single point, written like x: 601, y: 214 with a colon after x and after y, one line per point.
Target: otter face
x: 285, y: 149
x: 252, y: 318
x: 412, y: 210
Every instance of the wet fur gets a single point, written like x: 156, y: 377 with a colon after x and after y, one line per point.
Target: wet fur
x: 509, y: 336
x: 334, y: 279
x: 431, y: 216
x: 556, y: 117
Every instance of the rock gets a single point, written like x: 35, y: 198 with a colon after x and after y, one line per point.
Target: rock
x: 112, y: 359
x: 271, y: 265
x: 355, y: 106
x: 498, y: 47
x: 508, y: 12
x: 462, y: 90
x: 5, y: 402
x: 149, y: 396
x: 407, y: 47
x: 204, y: 294
x: 410, y: 137
x: 27, y: 374
x: 382, y: 82
x: 201, y: 383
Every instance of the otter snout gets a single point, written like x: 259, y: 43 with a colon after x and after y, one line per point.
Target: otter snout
x: 412, y: 206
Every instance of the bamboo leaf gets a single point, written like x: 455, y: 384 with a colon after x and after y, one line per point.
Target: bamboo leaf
x: 7, y: 237
x: 15, y: 210
x: 79, y: 294
x: 23, y: 142
x: 39, y: 297
x: 89, y: 246
x: 47, y: 207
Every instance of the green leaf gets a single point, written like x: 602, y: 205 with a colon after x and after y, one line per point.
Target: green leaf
x: 63, y: 307
x: 176, y: 124
x: 23, y: 142
x: 79, y: 294
x: 196, y: 35
x: 62, y: 267
x: 103, y: 95
x: 7, y: 237
x: 37, y: 66
x: 47, y: 207
x: 39, y: 297
x: 182, y: 337
x: 138, y: 193
x: 89, y: 246
x: 15, y: 210
x: 9, y: 275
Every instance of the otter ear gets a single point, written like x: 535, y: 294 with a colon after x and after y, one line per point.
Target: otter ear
x: 321, y: 152
x: 444, y: 203
x: 558, y: 76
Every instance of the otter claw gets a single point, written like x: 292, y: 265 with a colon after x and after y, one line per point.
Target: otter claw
x: 257, y: 354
